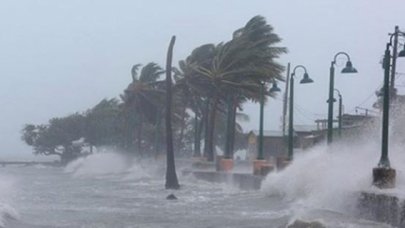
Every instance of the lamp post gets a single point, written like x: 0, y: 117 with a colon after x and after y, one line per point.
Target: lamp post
x: 383, y: 175
x: 384, y: 161
x: 260, y: 143
x: 395, y: 35
x: 305, y: 80
x: 260, y: 155
x: 347, y: 69
x: 340, y: 112
x: 273, y: 89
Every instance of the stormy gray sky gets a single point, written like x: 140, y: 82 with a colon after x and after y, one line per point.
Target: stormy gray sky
x: 59, y: 57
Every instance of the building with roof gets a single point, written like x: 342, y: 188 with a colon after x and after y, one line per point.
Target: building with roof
x: 275, y: 143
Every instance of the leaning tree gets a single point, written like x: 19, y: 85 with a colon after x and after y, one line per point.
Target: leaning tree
x: 61, y: 137
x: 143, y: 101
x: 232, y: 72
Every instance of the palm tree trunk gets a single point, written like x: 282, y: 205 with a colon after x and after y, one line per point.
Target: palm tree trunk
x: 200, y: 131
x: 206, y: 123
x: 228, y: 132
x: 127, y: 132
x: 182, y: 128
x: 157, y: 134
x: 211, y: 129
x: 233, y: 126
x: 197, y: 137
x: 171, y: 176
x: 139, y: 140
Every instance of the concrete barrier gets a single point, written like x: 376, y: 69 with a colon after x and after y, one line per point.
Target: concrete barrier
x: 242, y: 181
x: 382, y: 207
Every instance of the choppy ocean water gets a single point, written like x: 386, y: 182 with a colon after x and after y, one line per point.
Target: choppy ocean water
x: 106, y: 190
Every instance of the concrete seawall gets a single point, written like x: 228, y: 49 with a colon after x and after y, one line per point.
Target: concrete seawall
x: 382, y: 207
x: 242, y: 181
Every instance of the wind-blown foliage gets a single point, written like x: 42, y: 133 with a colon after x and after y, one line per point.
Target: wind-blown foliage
x: 103, y: 124
x: 58, y: 137
x: 212, y: 83
x: 143, y: 100
x: 233, y: 70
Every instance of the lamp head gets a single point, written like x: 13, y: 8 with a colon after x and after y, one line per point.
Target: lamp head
x: 306, y: 79
x: 402, y: 52
x: 274, y: 88
x: 349, y: 68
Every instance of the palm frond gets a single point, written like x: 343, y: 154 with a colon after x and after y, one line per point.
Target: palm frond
x: 150, y: 72
x: 134, y: 72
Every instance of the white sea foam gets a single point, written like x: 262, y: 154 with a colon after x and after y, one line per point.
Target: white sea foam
x: 107, y: 164
x: 40, y: 166
x: 98, y: 164
x: 137, y: 171
x: 331, y: 177
x: 7, y: 191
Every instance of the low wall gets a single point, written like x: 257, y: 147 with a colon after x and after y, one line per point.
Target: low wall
x: 382, y: 207
x: 243, y: 181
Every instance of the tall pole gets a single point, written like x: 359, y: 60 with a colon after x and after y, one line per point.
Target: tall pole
x: 330, y: 103
x: 291, y: 121
x: 394, y: 58
x: 340, y: 115
x: 384, y: 161
x: 260, y: 145
x: 286, y: 98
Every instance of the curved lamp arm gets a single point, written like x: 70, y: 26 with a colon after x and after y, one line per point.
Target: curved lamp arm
x: 340, y: 53
x: 339, y: 94
x: 299, y: 66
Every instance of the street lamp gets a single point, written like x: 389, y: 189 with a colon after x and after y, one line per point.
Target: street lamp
x: 394, y: 45
x: 274, y: 88
x: 384, y: 161
x: 402, y: 53
x: 383, y: 175
x: 340, y: 112
x: 260, y: 161
x: 304, y: 80
x: 346, y: 70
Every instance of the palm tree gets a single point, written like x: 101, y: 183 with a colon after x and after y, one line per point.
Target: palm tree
x: 171, y: 176
x: 190, y: 95
x: 143, y: 98
x: 236, y: 69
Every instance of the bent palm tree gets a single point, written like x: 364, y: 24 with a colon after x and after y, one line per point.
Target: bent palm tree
x: 236, y: 69
x: 143, y: 98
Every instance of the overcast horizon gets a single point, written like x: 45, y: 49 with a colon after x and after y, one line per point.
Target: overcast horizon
x: 61, y: 57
